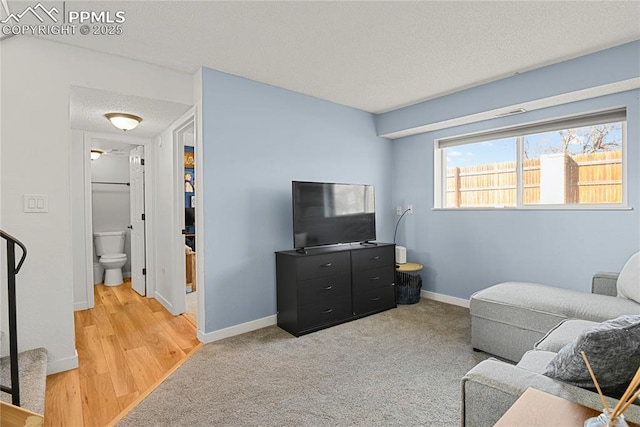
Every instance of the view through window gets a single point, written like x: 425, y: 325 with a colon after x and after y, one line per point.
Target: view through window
x: 543, y: 165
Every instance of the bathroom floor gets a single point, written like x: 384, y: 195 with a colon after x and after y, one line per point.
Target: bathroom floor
x: 126, y: 345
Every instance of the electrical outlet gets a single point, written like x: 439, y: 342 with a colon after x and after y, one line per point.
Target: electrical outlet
x: 410, y: 209
x: 398, y: 210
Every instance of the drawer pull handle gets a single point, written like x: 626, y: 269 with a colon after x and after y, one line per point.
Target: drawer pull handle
x: 375, y: 278
x: 375, y: 258
x: 327, y: 311
x: 375, y: 299
x: 326, y: 265
x: 328, y: 288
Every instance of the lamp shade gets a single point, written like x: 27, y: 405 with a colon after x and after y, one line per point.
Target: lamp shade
x: 123, y: 121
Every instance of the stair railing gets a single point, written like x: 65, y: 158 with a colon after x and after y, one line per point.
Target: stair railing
x: 12, y: 270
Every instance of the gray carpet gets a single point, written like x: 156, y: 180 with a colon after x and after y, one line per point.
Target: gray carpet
x: 32, y: 373
x: 401, y: 367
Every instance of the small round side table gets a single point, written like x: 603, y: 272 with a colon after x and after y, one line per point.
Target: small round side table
x: 408, y: 282
x: 409, y: 267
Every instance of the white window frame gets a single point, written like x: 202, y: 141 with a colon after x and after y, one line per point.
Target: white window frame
x: 519, y: 132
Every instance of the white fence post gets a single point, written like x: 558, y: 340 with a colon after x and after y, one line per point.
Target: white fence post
x: 558, y: 180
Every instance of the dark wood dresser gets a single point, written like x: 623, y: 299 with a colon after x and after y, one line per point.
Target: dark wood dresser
x: 330, y: 285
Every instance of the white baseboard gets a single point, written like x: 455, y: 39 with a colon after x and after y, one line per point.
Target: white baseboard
x: 77, y: 306
x: 445, y: 298
x: 61, y: 365
x: 207, y: 337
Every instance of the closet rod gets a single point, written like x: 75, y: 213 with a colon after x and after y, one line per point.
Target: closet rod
x: 114, y: 183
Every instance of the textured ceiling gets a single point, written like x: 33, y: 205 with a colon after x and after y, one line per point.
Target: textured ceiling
x: 375, y: 56
x: 112, y: 147
x: 87, y: 108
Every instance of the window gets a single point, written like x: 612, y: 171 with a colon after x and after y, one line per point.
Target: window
x: 572, y: 162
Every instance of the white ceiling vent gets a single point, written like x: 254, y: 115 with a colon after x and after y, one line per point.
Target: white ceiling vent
x: 512, y: 112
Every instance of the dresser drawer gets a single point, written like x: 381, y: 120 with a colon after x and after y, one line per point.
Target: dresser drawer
x: 377, y: 299
x: 322, y: 289
x: 323, y: 313
x: 365, y: 280
x: 363, y: 259
x: 310, y: 267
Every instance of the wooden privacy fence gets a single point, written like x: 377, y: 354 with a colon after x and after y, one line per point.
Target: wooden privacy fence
x: 549, y: 179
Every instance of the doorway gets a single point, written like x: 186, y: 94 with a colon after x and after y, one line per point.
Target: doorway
x: 115, y: 200
x: 164, y: 214
x: 184, y: 137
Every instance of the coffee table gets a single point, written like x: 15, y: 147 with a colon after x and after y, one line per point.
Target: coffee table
x: 537, y: 408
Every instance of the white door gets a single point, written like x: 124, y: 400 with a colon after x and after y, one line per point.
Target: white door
x: 169, y: 187
x: 136, y: 179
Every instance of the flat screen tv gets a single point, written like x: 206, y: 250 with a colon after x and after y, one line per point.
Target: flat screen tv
x: 327, y: 213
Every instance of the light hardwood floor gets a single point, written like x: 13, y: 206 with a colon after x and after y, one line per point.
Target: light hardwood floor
x: 127, y: 344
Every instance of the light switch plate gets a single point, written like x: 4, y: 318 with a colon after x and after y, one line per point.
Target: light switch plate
x: 38, y: 203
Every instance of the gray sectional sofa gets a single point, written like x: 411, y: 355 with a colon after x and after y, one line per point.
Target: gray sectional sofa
x: 507, y: 319
x: 528, y: 324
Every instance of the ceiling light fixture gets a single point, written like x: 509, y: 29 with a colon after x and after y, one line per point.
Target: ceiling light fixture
x: 95, y: 154
x: 123, y: 121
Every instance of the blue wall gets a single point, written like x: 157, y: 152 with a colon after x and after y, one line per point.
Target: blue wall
x: 465, y: 250
x: 257, y: 139
x: 612, y: 65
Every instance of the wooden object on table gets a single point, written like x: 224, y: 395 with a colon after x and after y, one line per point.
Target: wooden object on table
x: 537, y: 408
x: 190, y: 260
x: 409, y: 267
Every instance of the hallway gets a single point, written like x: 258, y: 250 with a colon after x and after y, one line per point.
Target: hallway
x: 127, y: 344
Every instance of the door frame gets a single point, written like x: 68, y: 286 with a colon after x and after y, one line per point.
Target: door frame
x: 193, y: 117
x: 188, y: 119
x: 89, y: 137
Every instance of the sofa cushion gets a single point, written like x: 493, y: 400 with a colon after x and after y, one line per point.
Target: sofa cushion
x: 540, y: 307
x: 628, y: 284
x: 507, y: 319
x: 613, y: 350
x: 563, y: 333
x: 536, y: 360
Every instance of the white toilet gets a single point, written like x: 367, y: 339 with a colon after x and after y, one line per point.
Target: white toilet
x: 110, y: 248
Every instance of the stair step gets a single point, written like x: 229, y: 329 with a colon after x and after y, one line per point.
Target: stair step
x: 14, y: 416
x: 32, y: 372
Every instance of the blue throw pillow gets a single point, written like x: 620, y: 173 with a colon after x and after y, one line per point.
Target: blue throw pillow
x: 613, y: 350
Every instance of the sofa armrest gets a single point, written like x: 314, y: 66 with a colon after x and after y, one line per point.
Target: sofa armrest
x: 605, y: 284
x: 492, y: 386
